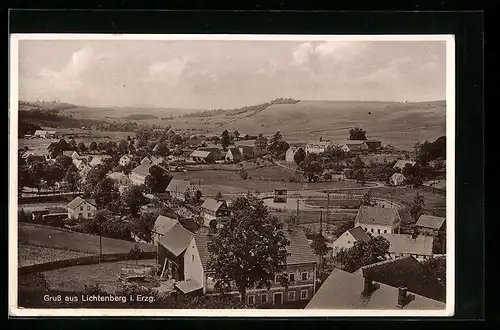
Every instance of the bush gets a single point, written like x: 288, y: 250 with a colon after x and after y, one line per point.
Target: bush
x: 135, y: 252
x: 327, y: 176
x: 243, y: 174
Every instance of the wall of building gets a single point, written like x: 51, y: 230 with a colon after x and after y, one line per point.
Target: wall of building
x: 84, y: 211
x: 375, y: 229
x: 345, y: 241
x: 193, y: 268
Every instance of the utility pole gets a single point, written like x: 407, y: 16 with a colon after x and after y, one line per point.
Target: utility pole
x: 100, y: 240
x: 328, y: 206
x: 298, y: 202
x: 320, y: 222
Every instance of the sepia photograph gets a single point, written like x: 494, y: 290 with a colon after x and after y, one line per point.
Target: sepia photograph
x: 231, y: 175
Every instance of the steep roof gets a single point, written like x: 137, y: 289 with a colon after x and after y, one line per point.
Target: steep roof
x: 372, y: 215
x: 430, y: 221
x: 178, y: 186
x: 359, y: 234
x: 211, y: 204
x: 300, y: 252
x: 400, y: 243
x: 200, y: 153
x: 117, y: 175
x: 142, y: 169
x: 176, y: 240
x: 396, y: 176
x: 407, y: 272
x: 343, y: 290
x: 164, y: 224
x: 201, y: 240
x: 78, y: 201
x: 235, y: 151
x: 402, y: 163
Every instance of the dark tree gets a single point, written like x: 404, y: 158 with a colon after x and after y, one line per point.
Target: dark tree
x: 311, y: 167
x: 417, y: 207
x: 275, y: 142
x: 64, y: 161
x: 93, y: 146
x: 225, y: 139
x: 133, y: 199
x: 122, y: 147
x: 261, y: 144
x: 368, y: 199
x: 357, y: 133
x: 299, y: 156
x: 363, y: 253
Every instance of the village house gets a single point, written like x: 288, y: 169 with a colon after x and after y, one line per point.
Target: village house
x: 120, y: 178
x: 212, y: 209
x: 45, y: 134
x: 348, y: 238
x: 397, y: 179
x: 162, y: 225
x: 80, y: 208
x: 239, y: 153
x: 138, y: 174
x: 216, y: 152
x: 84, y: 171
x: 343, y: 290
x: 202, y: 157
x: 153, y: 160
x: 300, y: 269
x: 80, y: 163
x: 431, y: 225
x: 72, y: 154
x: 98, y: 160
x: 401, y: 245
x: 405, y: 272
x: 193, y: 143
x: 317, y: 147
x: 125, y: 160
x: 290, y: 154
x: 378, y: 220
x: 373, y: 145
x: 354, y: 146
x: 178, y: 189
x: 402, y: 163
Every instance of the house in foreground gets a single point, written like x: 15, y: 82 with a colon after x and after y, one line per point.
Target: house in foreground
x: 80, y: 208
x: 420, y: 247
x: 162, y: 225
x: 348, y: 238
x: 178, y: 189
x: 343, y: 290
x: 378, y: 220
x: 212, y: 209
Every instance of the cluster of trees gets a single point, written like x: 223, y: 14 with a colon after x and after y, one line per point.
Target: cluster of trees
x: 357, y: 133
x: 26, y: 127
x: 362, y: 253
x: 429, y: 151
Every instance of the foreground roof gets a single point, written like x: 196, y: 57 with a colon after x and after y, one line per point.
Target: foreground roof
x: 163, y: 224
x: 400, y: 243
x: 343, y: 290
x: 142, y: 169
x: 430, y: 221
x: 372, y: 215
x: 359, y: 234
x: 176, y: 240
x: 178, y: 186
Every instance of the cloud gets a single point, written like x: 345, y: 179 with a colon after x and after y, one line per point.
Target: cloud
x: 337, y: 51
x: 167, y: 72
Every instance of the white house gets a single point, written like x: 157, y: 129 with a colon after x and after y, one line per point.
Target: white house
x: 397, y: 179
x: 178, y: 189
x: 44, y: 134
x: 125, y: 160
x: 348, y: 238
x: 401, y: 245
x: 354, y: 146
x: 138, y: 174
x: 317, y: 147
x: 120, y: 178
x: 212, y: 209
x: 402, y: 163
x: 80, y: 208
x: 378, y: 220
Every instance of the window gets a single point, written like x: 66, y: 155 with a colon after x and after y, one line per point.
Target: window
x: 305, y: 276
x: 263, y: 298
x: 81, y: 208
x: 88, y: 208
x: 371, y: 230
x: 348, y: 242
x: 277, y: 278
x: 88, y: 215
x: 303, y: 294
x: 385, y: 231
x: 378, y: 230
x: 366, y: 229
x: 192, y: 258
x: 80, y: 215
x: 291, y: 277
x: 291, y: 295
x: 251, y: 300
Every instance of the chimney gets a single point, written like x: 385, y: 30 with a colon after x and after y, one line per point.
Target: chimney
x: 368, y: 287
x: 320, y: 139
x: 402, y: 296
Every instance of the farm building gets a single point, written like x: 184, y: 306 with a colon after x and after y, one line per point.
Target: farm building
x: 355, y: 146
x: 45, y: 134
x: 317, y: 147
x: 212, y: 209
x: 373, y: 145
x: 397, y: 179
x: 125, y: 160
x: 120, y: 178
x: 431, y: 225
x: 348, y: 238
x: 203, y: 157
x: 290, y: 154
x: 402, y: 245
x: 178, y: 189
x: 378, y: 220
x: 80, y: 208
x: 344, y: 290
x: 239, y: 153
x: 138, y: 174
x: 162, y: 225
x: 402, y: 163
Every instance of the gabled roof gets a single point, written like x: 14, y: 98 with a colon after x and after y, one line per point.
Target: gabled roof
x: 319, y: 144
x: 78, y: 201
x: 400, y: 243
x: 396, y: 176
x: 235, y: 152
x: 126, y: 156
x: 372, y: 215
x: 201, y: 240
x: 200, y: 154
x: 176, y: 240
x: 142, y: 169
x: 164, y: 224
x: 178, y: 186
x: 407, y: 272
x: 359, y: 234
x: 300, y: 252
x: 343, y: 290
x: 430, y: 221
x: 402, y: 163
x: 117, y: 176
x: 68, y: 153
x: 212, y: 204
x: 98, y: 160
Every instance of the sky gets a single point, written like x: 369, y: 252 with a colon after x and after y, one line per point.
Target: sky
x: 228, y: 74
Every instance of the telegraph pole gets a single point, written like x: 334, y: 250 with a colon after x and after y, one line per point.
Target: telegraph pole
x: 298, y: 201
x: 320, y: 222
x: 100, y: 240
x: 328, y: 206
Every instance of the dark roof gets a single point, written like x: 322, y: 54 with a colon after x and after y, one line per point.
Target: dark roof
x: 359, y: 234
x: 142, y: 169
x: 235, y: 151
x: 212, y: 204
x: 176, y: 240
x: 300, y: 252
x: 343, y: 290
x: 201, y: 240
x: 430, y: 221
x: 189, y: 224
x: 178, y: 186
x: 78, y: 201
x: 376, y: 215
x: 407, y: 272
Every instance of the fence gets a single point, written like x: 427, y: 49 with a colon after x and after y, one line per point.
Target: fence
x: 86, y: 260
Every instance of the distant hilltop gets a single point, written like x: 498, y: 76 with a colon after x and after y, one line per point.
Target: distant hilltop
x: 251, y: 110
x: 45, y: 105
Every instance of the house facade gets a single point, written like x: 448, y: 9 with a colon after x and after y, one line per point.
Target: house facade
x: 212, y: 209
x: 317, y: 147
x: 402, y: 163
x: 355, y: 146
x: 378, y: 220
x: 202, y: 157
x: 80, y: 208
x: 431, y: 225
x: 401, y: 245
x: 178, y: 189
x: 348, y: 238
x: 290, y: 154
x: 120, y: 178
x: 125, y: 160
x: 397, y: 179
x: 138, y: 174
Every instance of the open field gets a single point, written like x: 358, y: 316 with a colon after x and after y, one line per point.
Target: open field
x: 46, y: 236
x: 334, y: 202
x: 380, y: 158
x: 105, y: 274
x: 31, y: 255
